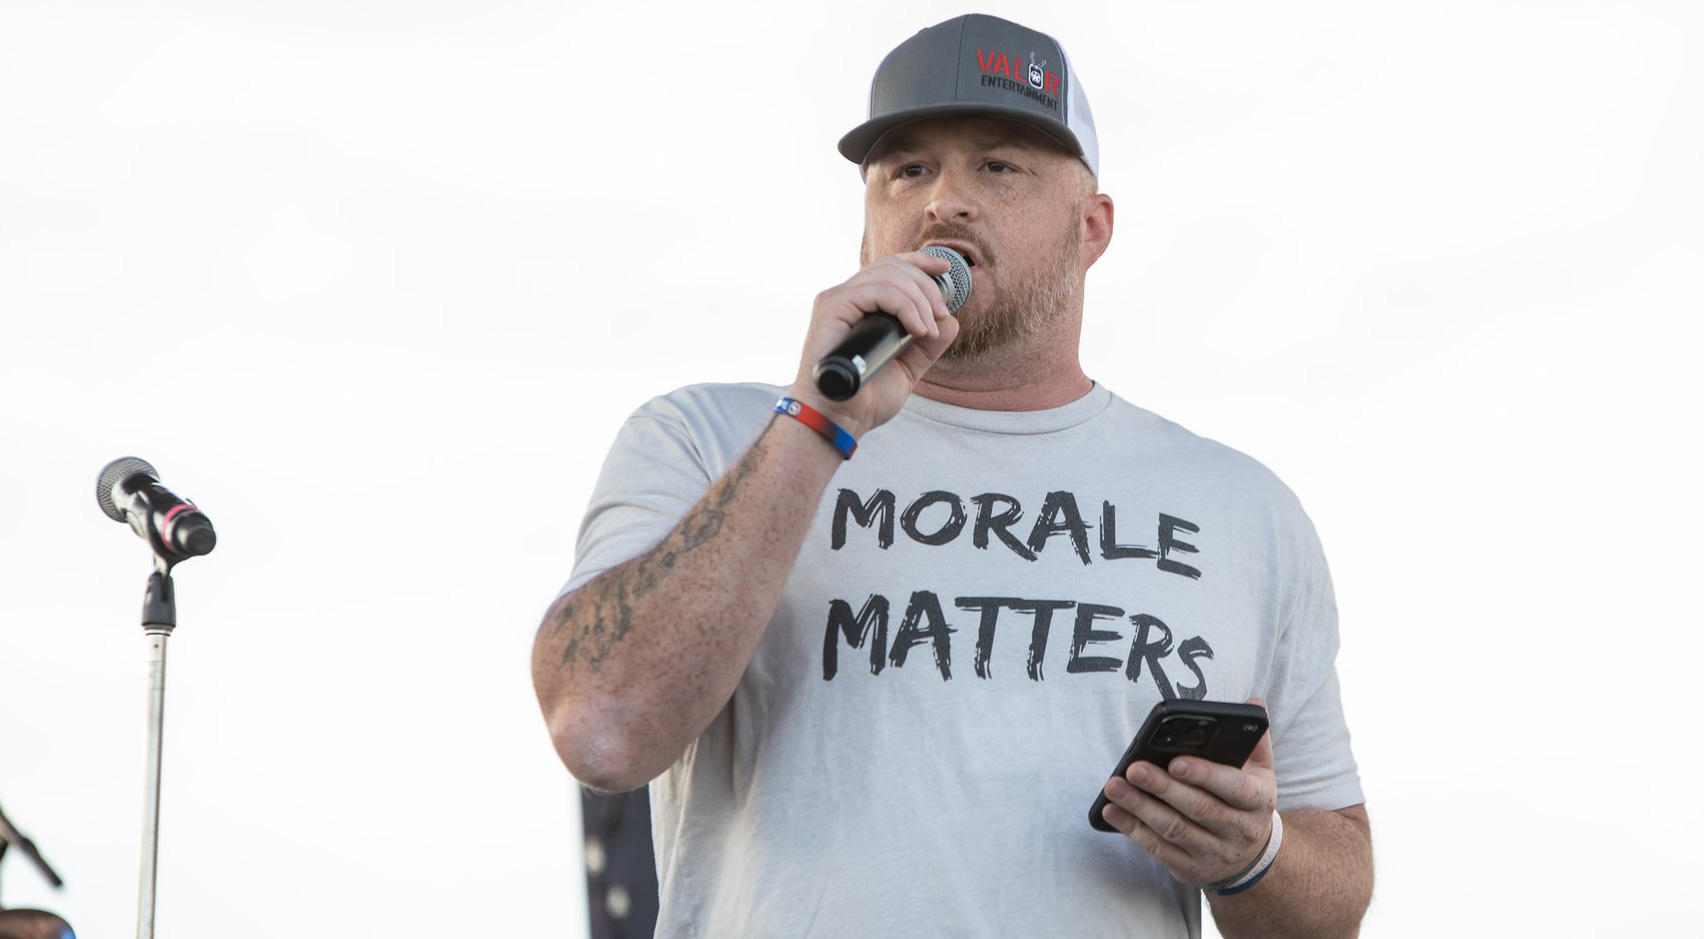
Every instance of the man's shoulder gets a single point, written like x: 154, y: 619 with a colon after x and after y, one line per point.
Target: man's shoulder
x: 1154, y: 430
x: 713, y: 406
x: 714, y: 397
x: 1188, y: 453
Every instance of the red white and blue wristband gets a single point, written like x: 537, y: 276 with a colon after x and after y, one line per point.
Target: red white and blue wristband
x: 812, y: 418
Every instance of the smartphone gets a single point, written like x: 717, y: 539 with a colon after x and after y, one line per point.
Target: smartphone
x: 1213, y: 730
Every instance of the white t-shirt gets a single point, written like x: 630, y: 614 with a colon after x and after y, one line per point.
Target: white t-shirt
x: 985, y: 609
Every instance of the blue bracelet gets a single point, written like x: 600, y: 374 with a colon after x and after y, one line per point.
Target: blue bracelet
x: 1239, y: 888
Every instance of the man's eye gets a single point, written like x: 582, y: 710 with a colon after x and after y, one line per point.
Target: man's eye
x: 912, y: 170
x: 996, y: 166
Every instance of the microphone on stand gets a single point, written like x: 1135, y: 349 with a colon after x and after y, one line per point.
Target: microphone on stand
x: 129, y: 491
x: 876, y: 340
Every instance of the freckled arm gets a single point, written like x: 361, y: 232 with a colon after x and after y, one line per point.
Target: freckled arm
x: 631, y: 667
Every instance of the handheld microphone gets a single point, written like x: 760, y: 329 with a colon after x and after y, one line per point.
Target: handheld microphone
x: 129, y: 491
x: 876, y: 340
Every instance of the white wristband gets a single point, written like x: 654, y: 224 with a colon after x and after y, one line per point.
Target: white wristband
x: 1251, y: 874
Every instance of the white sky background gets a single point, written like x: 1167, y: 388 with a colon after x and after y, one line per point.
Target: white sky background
x: 374, y: 283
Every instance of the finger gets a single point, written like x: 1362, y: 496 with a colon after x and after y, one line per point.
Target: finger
x: 1127, y: 824
x: 915, y: 360
x: 1262, y: 755
x: 1160, y: 830
x: 922, y: 306
x: 930, y: 264
x: 1232, y: 806
x: 931, y: 267
x: 1181, y: 813
x: 1251, y: 788
x: 1196, y: 848
x: 889, y: 291
x: 947, y: 329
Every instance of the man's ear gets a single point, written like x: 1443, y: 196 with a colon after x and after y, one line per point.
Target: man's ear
x: 1097, y: 227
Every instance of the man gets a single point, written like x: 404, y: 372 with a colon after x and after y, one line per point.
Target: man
x: 877, y: 693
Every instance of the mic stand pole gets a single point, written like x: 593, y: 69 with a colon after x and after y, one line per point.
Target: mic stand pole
x: 159, y: 617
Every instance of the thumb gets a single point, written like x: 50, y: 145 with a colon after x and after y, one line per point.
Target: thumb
x: 1262, y: 755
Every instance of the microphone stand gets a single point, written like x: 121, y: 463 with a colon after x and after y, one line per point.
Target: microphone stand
x: 128, y: 490
x: 159, y: 617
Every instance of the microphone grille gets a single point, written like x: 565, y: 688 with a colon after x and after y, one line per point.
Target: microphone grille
x: 116, y: 472
x: 955, y: 283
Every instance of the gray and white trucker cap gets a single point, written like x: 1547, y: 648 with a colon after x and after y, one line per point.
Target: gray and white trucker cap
x: 984, y: 66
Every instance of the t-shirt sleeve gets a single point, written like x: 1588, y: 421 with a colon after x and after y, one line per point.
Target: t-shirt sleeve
x: 1315, y: 765
x: 651, y: 477
x: 663, y: 460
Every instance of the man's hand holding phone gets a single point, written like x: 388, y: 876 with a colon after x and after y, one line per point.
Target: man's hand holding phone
x: 1205, y: 821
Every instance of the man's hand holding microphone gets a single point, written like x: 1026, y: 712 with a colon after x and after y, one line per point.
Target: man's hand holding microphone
x: 873, y: 337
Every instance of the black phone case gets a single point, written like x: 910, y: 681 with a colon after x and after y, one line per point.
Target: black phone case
x: 1213, y: 730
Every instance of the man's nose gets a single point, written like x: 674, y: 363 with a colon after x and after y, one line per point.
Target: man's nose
x: 950, y: 200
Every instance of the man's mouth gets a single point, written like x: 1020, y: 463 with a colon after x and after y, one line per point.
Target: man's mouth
x: 963, y: 249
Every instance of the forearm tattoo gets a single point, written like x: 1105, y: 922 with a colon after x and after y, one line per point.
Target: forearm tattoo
x: 601, y: 613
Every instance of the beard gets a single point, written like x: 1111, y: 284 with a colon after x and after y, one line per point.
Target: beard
x: 1026, y: 307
